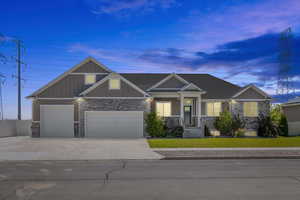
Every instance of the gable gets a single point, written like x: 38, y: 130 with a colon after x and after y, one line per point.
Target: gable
x: 125, y: 90
x: 172, y: 83
x: 250, y: 93
x: 68, y: 87
x: 90, y: 67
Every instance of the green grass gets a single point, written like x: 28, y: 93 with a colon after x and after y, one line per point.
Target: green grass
x: 225, y: 142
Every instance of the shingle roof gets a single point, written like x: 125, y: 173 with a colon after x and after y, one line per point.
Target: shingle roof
x: 215, y: 88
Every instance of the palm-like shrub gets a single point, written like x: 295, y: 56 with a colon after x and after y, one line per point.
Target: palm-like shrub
x: 155, y: 125
x: 267, y: 127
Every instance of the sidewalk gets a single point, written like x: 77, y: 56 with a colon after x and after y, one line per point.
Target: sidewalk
x: 229, y: 153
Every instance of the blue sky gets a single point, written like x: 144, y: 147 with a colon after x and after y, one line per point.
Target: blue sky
x: 235, y: 40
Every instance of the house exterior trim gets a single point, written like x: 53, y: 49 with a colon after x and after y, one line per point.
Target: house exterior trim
x: 166, y: 79
x: 253, y: 87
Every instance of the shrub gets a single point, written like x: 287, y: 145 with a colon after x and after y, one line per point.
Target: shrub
x: 206, y: 131
x: 266, y: 127
x: 223, y: 123
x: 240, y: 132
x: 176, y: 131
x: 280, y: 120
x: 237, y: 123
x: 155, y: 125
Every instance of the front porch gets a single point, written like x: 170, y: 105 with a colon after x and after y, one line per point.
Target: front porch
x: 181, y: 109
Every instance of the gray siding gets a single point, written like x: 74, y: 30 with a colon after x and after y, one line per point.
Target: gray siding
x: 69, y: 86
x: 36, y: 107
x: 172, y: 83
x: 175, y: 105
x: 250, y: 94
x: 90, y: 67
x: 104, y: 91
x: 292, y: 113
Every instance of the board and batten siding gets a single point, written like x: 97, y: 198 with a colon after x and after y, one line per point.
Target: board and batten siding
x: 172, y: 83
x: 90, y: 67
x: 125, y: 90
x: 250, y: 94
x: 292, y: 113
x: 36, y: 107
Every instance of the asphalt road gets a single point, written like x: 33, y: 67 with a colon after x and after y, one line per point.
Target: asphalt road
x: 151, y: 179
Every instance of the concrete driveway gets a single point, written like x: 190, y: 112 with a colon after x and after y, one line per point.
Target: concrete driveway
x: 26, y: 148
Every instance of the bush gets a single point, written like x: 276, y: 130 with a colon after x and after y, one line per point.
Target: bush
x: 155, y: 125
x: 280, y: 120
x: 237, y: 123
x: 223, y: 123
x: 176, y: 131
x: 240, y: 132
x: 266, y: 127
x: 206, y: 131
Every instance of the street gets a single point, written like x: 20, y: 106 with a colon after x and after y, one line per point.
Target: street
x: 151, y: 179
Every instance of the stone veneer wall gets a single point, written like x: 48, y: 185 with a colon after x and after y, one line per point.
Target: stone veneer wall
x: 110, y: 105
x: 237, y: 108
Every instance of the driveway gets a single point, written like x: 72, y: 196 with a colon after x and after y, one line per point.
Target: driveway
x: 26, y: 148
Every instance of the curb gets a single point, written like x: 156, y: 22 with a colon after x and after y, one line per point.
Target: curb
x: 231, y: 158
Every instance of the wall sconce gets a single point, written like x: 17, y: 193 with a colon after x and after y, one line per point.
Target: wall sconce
x: 80, y: 99
x: 148, y: 100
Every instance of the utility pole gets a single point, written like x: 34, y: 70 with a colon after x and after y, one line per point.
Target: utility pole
x: 1, y: 97
x: 19, y: 76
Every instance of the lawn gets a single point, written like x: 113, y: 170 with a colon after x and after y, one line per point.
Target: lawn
x: 225, y: 142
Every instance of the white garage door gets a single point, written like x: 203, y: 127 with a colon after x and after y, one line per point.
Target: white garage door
x: 57, y: 120
x: 114, y: 124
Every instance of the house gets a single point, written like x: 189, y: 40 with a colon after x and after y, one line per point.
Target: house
x: 291, y: 109
x: 90, y: 100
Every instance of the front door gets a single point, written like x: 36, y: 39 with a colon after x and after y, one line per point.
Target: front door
x: 188, y: 115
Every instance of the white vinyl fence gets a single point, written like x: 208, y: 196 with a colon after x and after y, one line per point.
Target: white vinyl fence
x: 9, y: 128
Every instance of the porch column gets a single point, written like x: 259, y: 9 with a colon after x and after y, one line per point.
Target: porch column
x: 199, y: 111
x: 181, y: 108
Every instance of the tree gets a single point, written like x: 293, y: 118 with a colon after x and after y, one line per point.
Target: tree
x: 223, y: 123
x: 155, y: 125
x: 278, y: 117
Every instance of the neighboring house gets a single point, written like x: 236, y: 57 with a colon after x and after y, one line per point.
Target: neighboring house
x: 90, y: 100
x: 291, y: 109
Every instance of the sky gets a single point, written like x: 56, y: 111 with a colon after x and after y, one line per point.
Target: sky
x: 236, y: 40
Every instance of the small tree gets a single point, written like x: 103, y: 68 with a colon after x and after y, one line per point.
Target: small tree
x: 155, y: 125
x: 237, y: 124
x: 278, y: 117
x: 223, y: 123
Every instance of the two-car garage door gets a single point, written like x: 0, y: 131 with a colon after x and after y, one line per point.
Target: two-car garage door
x: 114, y: 124
x: 58, y: 121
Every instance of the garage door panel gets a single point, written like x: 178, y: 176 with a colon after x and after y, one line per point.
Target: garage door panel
x: 57, y: 120
x: 114, y: 124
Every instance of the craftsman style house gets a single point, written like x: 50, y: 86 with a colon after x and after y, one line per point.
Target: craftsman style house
x: 90, y: 100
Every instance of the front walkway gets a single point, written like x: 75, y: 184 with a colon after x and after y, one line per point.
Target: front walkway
x: 26, y: 148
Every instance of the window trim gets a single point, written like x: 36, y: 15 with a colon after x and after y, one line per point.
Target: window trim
x: 110, y: 86
x: 163, y: 103
x: 85, y: 79
x: 257, y: 112
x: 214, y: 115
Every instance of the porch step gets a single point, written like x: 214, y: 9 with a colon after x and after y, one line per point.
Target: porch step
x: 192, y: 133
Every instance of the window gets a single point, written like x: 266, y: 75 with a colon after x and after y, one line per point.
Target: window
x: 213, y: 108
x: 163, y: 109
x: 250, y: 109
x: 114, y: 84
x: 90, y: 79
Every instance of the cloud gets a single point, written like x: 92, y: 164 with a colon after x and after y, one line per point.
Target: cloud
x: 238, y: 22
x: 123, y: 7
